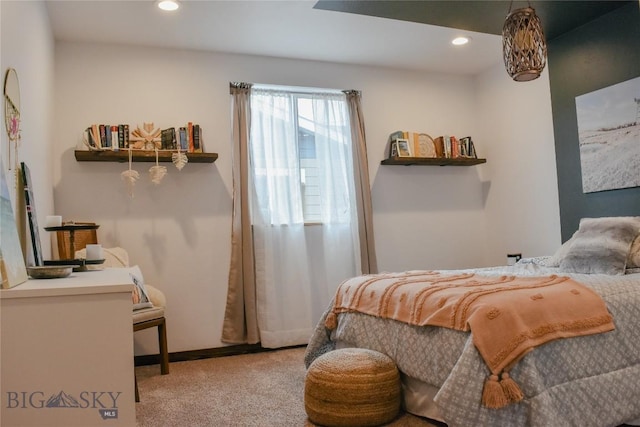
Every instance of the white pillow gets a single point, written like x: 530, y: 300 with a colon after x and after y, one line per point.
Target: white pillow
x: 557, y: 258
x: 634, y: 254
x: 601, y: 246
x: 140, y: 296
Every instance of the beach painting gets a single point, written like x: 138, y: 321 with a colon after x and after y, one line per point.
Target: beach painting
x: 12, y: 267
x: 609, y: 136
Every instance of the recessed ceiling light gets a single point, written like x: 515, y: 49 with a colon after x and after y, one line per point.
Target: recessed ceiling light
x: 168, y: 5
x: 459, y: 41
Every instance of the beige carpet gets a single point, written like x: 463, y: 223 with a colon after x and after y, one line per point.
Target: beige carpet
x: 262, y: 389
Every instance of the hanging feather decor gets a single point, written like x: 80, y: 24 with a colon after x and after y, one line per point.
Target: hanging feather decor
x: 130, y: 176
x: 179, y: 159
x: 157, y: 172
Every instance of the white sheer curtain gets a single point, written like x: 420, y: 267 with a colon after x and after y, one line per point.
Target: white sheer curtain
x: 298, y: 267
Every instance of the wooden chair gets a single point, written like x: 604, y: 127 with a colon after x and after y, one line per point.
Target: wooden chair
x: 144, y: 318
x: 82, y: 238
x: 150, y: 318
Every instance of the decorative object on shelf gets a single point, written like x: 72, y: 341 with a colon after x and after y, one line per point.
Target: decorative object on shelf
x: 50, y: 271
x: 179, y: 159
x: 71, y: 234
x: 157, y: 172
x: 77, y: 234
x: 12, y: 268
x: 130, y: 176
x: 147, y: 138
x: 12, y: 113
x: 424, y: 146
x: 524, y: 47
x: 403, y: 144
x: 419, y: 144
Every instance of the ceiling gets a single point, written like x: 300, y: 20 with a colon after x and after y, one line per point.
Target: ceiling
x: 557, y: 16
x: 417, y: 38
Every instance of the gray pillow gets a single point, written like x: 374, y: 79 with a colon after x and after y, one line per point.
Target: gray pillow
x: 601, y: 245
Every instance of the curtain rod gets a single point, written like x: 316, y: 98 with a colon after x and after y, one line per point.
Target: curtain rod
x: 297, y: 89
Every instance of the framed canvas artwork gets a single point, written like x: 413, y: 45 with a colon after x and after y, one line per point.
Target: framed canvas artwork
x: 12, y: 268
x: 609, y: 137
x: 31, y: 215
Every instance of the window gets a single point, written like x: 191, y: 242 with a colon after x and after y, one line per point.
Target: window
x: 301, y: 155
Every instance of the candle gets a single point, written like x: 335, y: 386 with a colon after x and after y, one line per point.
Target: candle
x: 94, y: 252
x: 53, y: 221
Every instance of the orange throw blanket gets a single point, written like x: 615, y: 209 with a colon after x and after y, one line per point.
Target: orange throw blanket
x: 507, y: 316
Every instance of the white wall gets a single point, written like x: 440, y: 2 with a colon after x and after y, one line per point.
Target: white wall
x: 520, y: 183
x: 27, y: 46
x: 179, y: 231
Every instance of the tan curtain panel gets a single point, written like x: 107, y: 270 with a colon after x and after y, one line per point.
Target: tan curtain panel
x: 363, y: 188
x: 240, y: 322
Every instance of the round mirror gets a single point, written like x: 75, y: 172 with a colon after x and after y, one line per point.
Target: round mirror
x: 12, y: 104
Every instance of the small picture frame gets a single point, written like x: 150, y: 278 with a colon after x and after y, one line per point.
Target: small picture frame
x: 403, y: 147
x: 393, y: 150
x: 467, y: 148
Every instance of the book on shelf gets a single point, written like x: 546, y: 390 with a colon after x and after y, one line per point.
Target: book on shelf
x: 120, y: 136
x: 439, y: 144
x: 190, y: 136
x: 197, y: 139
x: 399, y: 134
x: 107, y: 135
x: 168, y: 139
x: 184, y: 139
x: 115, y: 139
x: 103, y: 136
x: 89, y: 137
x: 126, y: 135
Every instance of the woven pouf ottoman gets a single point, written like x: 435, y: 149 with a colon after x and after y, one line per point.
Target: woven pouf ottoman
x: 352, y: 387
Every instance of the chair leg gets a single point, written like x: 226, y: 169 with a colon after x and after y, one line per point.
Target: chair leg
x: 135, y: 378
x: 164, y: 351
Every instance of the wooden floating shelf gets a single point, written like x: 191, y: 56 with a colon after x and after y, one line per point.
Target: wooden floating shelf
x: 432, y: 161
x: 122, y: 156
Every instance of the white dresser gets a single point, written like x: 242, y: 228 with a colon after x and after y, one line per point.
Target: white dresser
x: 66, y: 351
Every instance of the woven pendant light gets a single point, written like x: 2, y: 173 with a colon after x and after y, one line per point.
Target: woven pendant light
x: 523, y: 45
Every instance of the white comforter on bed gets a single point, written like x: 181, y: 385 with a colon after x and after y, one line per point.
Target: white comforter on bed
x: 583, y: 381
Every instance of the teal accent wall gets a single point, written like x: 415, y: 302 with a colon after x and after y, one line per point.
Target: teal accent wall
x: 598, y: 54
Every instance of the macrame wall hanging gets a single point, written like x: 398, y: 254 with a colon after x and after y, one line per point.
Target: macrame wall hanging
x: 179, y: 159
x: 130, y: 176
x: 157, y: 172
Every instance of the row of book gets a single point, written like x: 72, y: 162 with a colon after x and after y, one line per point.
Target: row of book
x: 188, y: 137
x: 114, y: 137
x: 415, y: 144
x: 108, y: 136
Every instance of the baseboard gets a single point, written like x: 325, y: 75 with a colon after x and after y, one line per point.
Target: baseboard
x: 184, y: 356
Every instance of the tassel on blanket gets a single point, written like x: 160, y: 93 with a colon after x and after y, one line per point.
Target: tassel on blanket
x: 511, y: 388
x: 493, y: 395
x: 331, y: 322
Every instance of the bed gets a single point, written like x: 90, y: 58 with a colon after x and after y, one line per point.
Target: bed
x: 591, y: 380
